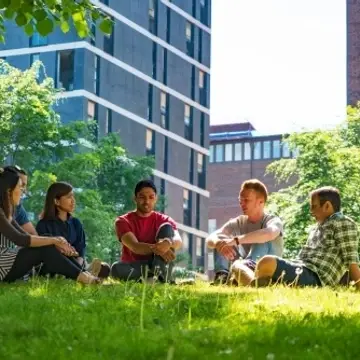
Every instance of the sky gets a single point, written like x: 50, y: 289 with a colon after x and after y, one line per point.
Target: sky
x: 279, y: 64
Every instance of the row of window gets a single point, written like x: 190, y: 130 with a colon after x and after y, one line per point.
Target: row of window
x: 255, y: 150
x: 199, y: 246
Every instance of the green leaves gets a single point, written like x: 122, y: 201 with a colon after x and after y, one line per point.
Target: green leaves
x: 45, y: 27
x: 325, y: 158
x: 106, y: 26
x: 45, y: 16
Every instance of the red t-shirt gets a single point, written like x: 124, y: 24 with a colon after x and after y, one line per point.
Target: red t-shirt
x: 144, y: 229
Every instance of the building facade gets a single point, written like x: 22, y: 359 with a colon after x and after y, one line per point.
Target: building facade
x: 238, y: 153
x: 353, y: 51
x: 149, y: 81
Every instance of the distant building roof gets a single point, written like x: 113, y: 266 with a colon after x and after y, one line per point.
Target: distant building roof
x: 245, y: 126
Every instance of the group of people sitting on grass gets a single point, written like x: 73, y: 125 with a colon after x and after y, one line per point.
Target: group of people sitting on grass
x: 247, y: 249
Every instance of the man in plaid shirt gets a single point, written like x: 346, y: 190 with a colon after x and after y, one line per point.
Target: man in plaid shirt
x: 330, y: 251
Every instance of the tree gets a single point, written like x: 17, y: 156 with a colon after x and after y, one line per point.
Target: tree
x: 325, y: 158
x: 45, y: 15
x: 31, y: 134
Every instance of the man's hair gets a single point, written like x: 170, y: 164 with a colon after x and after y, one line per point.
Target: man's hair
x: 145, y: 184
x: 16, y: 168
x: 256, y: 185
x: 328, y: 193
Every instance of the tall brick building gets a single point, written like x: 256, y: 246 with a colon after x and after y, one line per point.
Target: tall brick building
x: 238, y: 153
x: 353, y: 51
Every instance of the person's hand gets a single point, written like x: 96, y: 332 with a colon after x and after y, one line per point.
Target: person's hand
x: 226, y: 249
x: 161, y: 247
x: 64, y: 247
x: 168, y: 256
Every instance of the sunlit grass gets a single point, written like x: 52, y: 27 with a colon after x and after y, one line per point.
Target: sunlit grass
x: 59, y: 319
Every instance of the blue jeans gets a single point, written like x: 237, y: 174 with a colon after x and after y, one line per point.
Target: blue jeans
x: 257, y: 251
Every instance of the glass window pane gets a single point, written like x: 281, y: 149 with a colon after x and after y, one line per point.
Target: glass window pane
x: 91, y: 110
x: 219, y: 153
x: 276, y: 149
x: 247, y: 151
x: 149, y: 139
x: 212, y: 225
x: 257, y: 150
x: 266, y: 149
x: 285, y: 150
x: 200, y: 161
x: 212, y: 151
x: 186, y: 199
x: 228, y: 152
x: 238, y: 152
x: 185, y: 241
x: 188, y: 31
x: 187, y: 115
x: 199, y: 246
x: 201, y: 79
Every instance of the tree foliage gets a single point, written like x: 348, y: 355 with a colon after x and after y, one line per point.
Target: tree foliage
x: 44, y: 16
x: 103, y: 173
x: 325, y: 158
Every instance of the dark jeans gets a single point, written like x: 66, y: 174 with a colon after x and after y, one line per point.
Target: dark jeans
x: 55, y: 262
x: 287, y: 271
x: 154, y: 266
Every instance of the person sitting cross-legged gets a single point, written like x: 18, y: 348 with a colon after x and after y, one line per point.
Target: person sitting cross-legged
x: 149, y: 239
x: 251, y: 236
x: 331, y: 249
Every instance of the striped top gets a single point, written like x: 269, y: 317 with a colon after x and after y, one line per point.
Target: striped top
x: 12, y: 236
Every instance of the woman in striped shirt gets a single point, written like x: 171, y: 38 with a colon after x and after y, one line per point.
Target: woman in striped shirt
x: 19, y: 251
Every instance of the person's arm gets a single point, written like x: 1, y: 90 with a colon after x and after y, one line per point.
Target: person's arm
x: 225, y: 233
x: 272, y: 230
x: 29, y: 228
x: 131, y: 242
x: 347, y: 239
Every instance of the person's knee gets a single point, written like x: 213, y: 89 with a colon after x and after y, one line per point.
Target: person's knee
x: 266, y: 266
x: 104, y: 271
x: 114, y: 271
x: 165, y: 231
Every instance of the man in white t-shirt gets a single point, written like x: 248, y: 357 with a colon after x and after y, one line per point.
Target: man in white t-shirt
x: 242, y: 241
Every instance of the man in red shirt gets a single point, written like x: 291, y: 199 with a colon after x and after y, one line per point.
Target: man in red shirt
x: 149, y: 238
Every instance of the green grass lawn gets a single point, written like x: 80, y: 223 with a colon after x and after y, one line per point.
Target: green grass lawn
x: 61, y: 320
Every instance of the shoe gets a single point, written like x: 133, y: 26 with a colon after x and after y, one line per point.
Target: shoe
x: 95, y: 267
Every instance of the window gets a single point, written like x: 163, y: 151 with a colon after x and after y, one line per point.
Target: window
x: 188, y: 31
x: 199, y: 246
x: 109, y: 41
x: 185, y: 241
x: 151, y: 8
x: 204, y: 12
x: 198, y: 211
x: 296, y: 153
x: 200, y: 163
x: 238, y: 152
x: 266, y: 149
x: 65, y: 69
x: 149, y: 142
x: 189, y: 39
x: 219, y: 153
x: 285, y: 149
x: 150, y: 103
x: 202, y: 129
x: 187, y: 115
x: 276, y: 149
x: 212, y: 225
x: 34, y: 57
x: 96, y: 74
x: 191, y: 166
x: 108, y: 120
x: 91, y: 110
x: 228, y: 152
x: 201, y: 79
x: 163, y: 109
x: 186, y: 199
x: 38, y: 40
x: 212, y: 153
x: 247, y: 151
x: 257, y: 150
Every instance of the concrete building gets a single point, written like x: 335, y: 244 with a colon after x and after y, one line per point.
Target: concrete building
x: 149, y: 81
x: 238, y: 153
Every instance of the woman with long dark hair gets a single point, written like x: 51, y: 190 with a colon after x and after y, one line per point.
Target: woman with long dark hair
x: 57, y: 220
x: 19, y: 251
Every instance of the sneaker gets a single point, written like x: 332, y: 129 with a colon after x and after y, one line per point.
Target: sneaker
x: 221, y: 277
x: 95, y: 267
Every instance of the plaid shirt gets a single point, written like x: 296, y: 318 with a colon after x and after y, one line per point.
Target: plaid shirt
x: 331, y: 247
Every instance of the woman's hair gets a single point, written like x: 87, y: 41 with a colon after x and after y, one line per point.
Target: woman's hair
x: 9, y: 178
x: 55, y: 191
